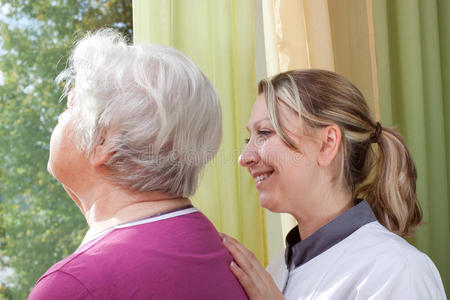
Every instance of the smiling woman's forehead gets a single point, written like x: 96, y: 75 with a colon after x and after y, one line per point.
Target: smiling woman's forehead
x: 256, y: 123
x: 259, y: 112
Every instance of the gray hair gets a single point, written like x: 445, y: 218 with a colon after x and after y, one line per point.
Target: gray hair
x: 161, y: 114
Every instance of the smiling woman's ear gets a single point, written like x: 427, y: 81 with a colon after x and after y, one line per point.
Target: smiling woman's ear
x: 330, y: 138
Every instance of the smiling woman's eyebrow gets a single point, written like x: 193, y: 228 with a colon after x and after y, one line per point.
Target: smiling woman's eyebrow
x: 257, y: 122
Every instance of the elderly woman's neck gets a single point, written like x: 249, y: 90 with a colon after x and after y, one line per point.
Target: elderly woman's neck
x: 110, y: 205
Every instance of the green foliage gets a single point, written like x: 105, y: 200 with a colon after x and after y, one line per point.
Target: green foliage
x: 39, y: 223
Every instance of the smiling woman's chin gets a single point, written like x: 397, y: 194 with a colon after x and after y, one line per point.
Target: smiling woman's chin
x: 267, y: 202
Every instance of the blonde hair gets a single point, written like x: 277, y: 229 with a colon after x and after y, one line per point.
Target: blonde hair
x: 385, y: 177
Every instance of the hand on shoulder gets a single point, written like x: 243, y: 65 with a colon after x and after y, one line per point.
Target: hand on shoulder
x: 256, y: 281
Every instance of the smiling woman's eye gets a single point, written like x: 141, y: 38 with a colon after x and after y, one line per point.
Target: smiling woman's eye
x: 264, y: 132
x: 260, y: 135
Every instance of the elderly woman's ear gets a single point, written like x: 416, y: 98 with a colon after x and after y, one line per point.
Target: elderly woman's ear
x: 99, y: 156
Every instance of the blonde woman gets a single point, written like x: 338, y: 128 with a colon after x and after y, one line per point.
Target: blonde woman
x: 317, y: 153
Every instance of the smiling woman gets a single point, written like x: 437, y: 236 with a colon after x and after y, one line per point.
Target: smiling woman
x: 316, y: 153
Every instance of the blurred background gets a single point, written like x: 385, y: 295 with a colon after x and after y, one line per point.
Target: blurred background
x: 396, y: 51
x: 39, y: 223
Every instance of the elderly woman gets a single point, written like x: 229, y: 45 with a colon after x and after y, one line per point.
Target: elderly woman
x: 141, y: 123
x: 316, y: 153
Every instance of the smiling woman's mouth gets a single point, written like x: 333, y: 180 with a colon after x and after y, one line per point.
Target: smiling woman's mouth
x: 263, y: 177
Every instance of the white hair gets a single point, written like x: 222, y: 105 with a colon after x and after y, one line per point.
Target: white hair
x: 161, y: 115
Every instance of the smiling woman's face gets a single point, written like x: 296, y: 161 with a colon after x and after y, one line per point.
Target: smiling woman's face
x: 284, y: 177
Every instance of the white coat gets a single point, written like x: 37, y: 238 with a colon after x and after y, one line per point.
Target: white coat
x: 369, y: 263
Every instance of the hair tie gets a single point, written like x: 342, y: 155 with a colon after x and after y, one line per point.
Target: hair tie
x: 375, y: 137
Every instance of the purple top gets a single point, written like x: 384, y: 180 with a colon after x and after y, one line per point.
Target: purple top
x: 179, y: 257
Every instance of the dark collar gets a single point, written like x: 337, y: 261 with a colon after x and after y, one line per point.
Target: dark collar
x: 328, y: 235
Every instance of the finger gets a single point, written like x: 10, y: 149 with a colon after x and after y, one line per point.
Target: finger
x: 239, y: 254
x: 245, y: 258
x: 247, y: 262
x: 246, y: 282
x: 250, y: 273
x: 234, y: 245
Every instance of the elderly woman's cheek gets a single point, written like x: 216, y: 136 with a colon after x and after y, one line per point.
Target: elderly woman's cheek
x: 63, y: 154
x: 56, y: 150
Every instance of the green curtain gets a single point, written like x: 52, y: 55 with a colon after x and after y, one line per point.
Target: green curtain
x: 219, y: 37
x: 413, y: 62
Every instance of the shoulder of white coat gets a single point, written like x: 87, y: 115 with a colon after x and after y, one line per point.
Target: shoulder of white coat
x: 387, y: 244
x: 375, y: 243
x: 392, y: 255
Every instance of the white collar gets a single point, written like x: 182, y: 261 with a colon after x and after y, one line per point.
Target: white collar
x: 90, y: 235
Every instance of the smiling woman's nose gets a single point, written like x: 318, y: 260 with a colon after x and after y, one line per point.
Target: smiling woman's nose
x: 248, y: 157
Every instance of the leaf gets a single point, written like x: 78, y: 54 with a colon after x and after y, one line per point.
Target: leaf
x: 39, y: 223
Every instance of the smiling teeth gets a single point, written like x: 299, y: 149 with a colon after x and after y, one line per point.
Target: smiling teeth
x: 261, y: 177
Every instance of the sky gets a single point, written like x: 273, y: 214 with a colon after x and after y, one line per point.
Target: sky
x: 21, y: 22
x: 4, y: 9
x: 4, y: 274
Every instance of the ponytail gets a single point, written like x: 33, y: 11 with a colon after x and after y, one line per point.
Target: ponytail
x: 391, y: 185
